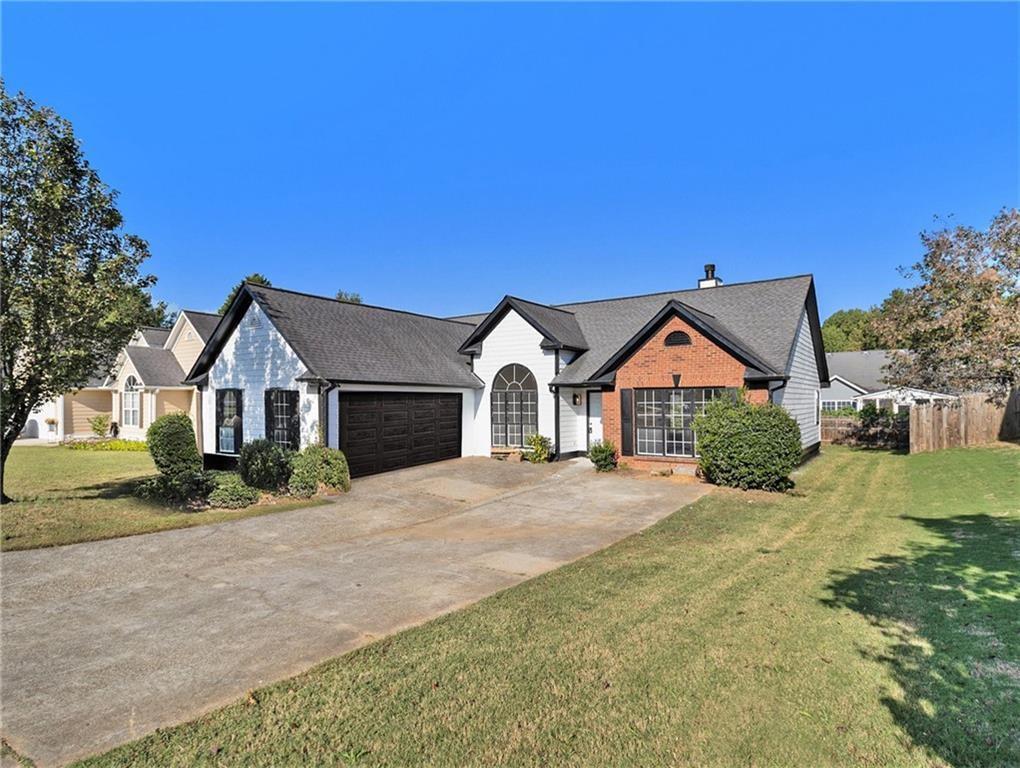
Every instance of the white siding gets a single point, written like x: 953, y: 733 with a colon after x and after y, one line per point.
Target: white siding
x: 513, y: 340
x: 800, y: 395
x: 256, y: 358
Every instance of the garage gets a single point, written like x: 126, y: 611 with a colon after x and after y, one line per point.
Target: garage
x: 381, y: 431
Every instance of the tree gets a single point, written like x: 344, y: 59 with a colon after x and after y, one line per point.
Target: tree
x: 850, y: 330
x: 254, y: 277
x: 350, y: 297
x: 961, y: 322
x: 71, y: 290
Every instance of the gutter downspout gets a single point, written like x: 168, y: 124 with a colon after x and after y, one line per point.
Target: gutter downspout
x: 556, y: 407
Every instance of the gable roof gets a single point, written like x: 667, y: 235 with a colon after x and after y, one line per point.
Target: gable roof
x: 204, y: 323
x: 339, y: 341
x: 862, y: 369
x: 760, y: 318
x: 154, y: 337
x: 558, y: 327
x: 156, y: 367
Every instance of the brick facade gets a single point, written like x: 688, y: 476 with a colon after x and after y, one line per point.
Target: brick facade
x: 702, y: 363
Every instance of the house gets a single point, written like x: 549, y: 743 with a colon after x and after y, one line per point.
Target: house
x: 858, y: 378
x: 396, y: 389
x: 144, y: 382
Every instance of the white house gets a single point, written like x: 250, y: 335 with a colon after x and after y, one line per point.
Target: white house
x: 395, y: 389
x: 859, y: 378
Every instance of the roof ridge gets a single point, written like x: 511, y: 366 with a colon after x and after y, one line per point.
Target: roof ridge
x: 681, y: 290
x: 355, y: 304
x: 540, y: 304
x: 200, y: 312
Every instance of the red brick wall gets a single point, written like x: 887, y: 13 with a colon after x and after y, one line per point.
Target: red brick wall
x: 701, y: 364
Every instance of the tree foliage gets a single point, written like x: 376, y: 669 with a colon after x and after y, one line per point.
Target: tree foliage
x: 961, y: 322
x: 71, y: 289
x: 850, y: 330
x: 254, y: 277
x: 349, y: 296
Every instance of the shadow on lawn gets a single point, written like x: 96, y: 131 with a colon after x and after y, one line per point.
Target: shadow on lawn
x: 950, y: 613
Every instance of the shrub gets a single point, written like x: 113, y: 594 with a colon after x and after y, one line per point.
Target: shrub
x: 100, y: 424
x: 192, y: 488
x: 231, y: 492
x: 264, y: 464
x: 171, y: 441
x: 319, y: 466
x: 747, y: 446
x: 603, y: 455
x: 541, y: 449
x: 846, y: 412
x: 107, y: 445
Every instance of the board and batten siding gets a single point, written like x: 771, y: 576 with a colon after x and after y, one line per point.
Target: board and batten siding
x: 256, y: 358
x: 512, y: 340
x: 800, y: 396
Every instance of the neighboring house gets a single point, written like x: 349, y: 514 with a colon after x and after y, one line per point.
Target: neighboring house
x: 858, y: 378
x: 396, y: 389
x: 145, y: 382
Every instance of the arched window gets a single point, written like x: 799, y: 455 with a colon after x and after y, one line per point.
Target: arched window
x: 678, y: 339
x: 514, y: 406
x: 129, y: 403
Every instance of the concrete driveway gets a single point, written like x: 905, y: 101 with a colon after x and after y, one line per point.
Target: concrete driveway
x: 105, y: 642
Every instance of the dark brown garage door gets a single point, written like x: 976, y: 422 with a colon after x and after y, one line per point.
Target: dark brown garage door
x: 380, y: 431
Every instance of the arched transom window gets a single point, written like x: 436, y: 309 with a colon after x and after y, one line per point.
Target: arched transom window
x: 514, y: 406
x: 129, y: 403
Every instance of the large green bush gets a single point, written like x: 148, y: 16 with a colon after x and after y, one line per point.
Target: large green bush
x: 603, y: 455
x: 190, y: 488
x: 171, y: 441
x: 319, y: 466
x: 231, y: 492
x: 263, y: 464
x: 747, y: 446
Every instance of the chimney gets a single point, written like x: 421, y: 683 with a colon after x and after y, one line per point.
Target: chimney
x: 709, y: 280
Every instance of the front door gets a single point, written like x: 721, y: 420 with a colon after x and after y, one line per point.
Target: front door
x: 594, y: 417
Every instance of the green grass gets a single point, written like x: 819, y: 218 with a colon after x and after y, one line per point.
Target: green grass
x: 65, y: 496
x: 870, y: 617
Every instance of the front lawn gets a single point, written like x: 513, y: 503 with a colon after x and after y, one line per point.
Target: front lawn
x: 870, y: 617
x: 64, y: 496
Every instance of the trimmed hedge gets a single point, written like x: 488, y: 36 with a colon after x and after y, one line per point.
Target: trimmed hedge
x: 747, y: 446
x: 108, y: 445
x: 171, y: 441
x: 319, y: 466
x: 231, y: 492
x: 184, y: 488
x: 264, y: 464
x: 603, y: 455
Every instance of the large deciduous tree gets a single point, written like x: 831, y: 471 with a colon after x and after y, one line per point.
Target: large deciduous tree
x: 254, y: 277
x: 850, y: 330
x: 961, y: 322
x: 71, y: 289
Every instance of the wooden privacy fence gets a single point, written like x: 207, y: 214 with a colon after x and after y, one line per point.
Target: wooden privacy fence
x: 889, y: 432
x: 971, y: 420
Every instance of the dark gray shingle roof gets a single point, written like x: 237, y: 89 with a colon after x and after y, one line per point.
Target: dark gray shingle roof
x: 155, y: 337
x: 204, y: 323
x: 762, y: 315
x: 156, y: 367
x: 560, y: 323
x: 341, y: 341
x: 863, y: 369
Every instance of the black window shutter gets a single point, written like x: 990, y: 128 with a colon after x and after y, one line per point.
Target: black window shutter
x: 239, y: 421
x: 294, y: 426
x: 269, y: 415
x: 219, y: 416
x: 627, y: 422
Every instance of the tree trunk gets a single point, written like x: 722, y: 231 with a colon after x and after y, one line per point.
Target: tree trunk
x: 13, y: 424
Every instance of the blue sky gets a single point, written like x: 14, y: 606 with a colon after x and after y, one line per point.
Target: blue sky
x: 436, y: 157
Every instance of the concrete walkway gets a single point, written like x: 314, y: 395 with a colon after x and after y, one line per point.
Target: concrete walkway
x: 104, y: 642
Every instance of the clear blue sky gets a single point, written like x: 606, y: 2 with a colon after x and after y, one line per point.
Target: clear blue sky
x: 436, y: 157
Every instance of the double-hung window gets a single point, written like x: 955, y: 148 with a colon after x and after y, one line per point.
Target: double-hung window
x: 283, y: 420
x: 664, y: 419
x: 130, y: 411
x: 229, y: 420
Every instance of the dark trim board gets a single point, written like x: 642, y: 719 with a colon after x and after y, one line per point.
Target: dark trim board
x: 219, y: 461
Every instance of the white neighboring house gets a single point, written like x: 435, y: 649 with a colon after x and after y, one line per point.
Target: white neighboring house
x: 145, y: 382
x: 395, y: 389
x: 858, y: 378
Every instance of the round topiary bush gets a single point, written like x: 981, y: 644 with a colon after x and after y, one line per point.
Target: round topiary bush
x: 171, y: 441
x: 747, y: 446
x: 264, y: 464
x: 232, y: 493
x: 319, y: 466
x: 335, y: 472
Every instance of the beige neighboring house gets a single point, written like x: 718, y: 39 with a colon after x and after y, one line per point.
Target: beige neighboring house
x: 145, y: 382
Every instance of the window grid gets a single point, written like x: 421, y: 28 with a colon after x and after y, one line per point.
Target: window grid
x: 664, y: 419
x: 514, y: 406
x: 129, y: 417
x: 229, y: 413
x: 835, y: 405
x: 281, y: 419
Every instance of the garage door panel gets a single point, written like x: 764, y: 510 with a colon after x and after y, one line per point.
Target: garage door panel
x: 381, y: 431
